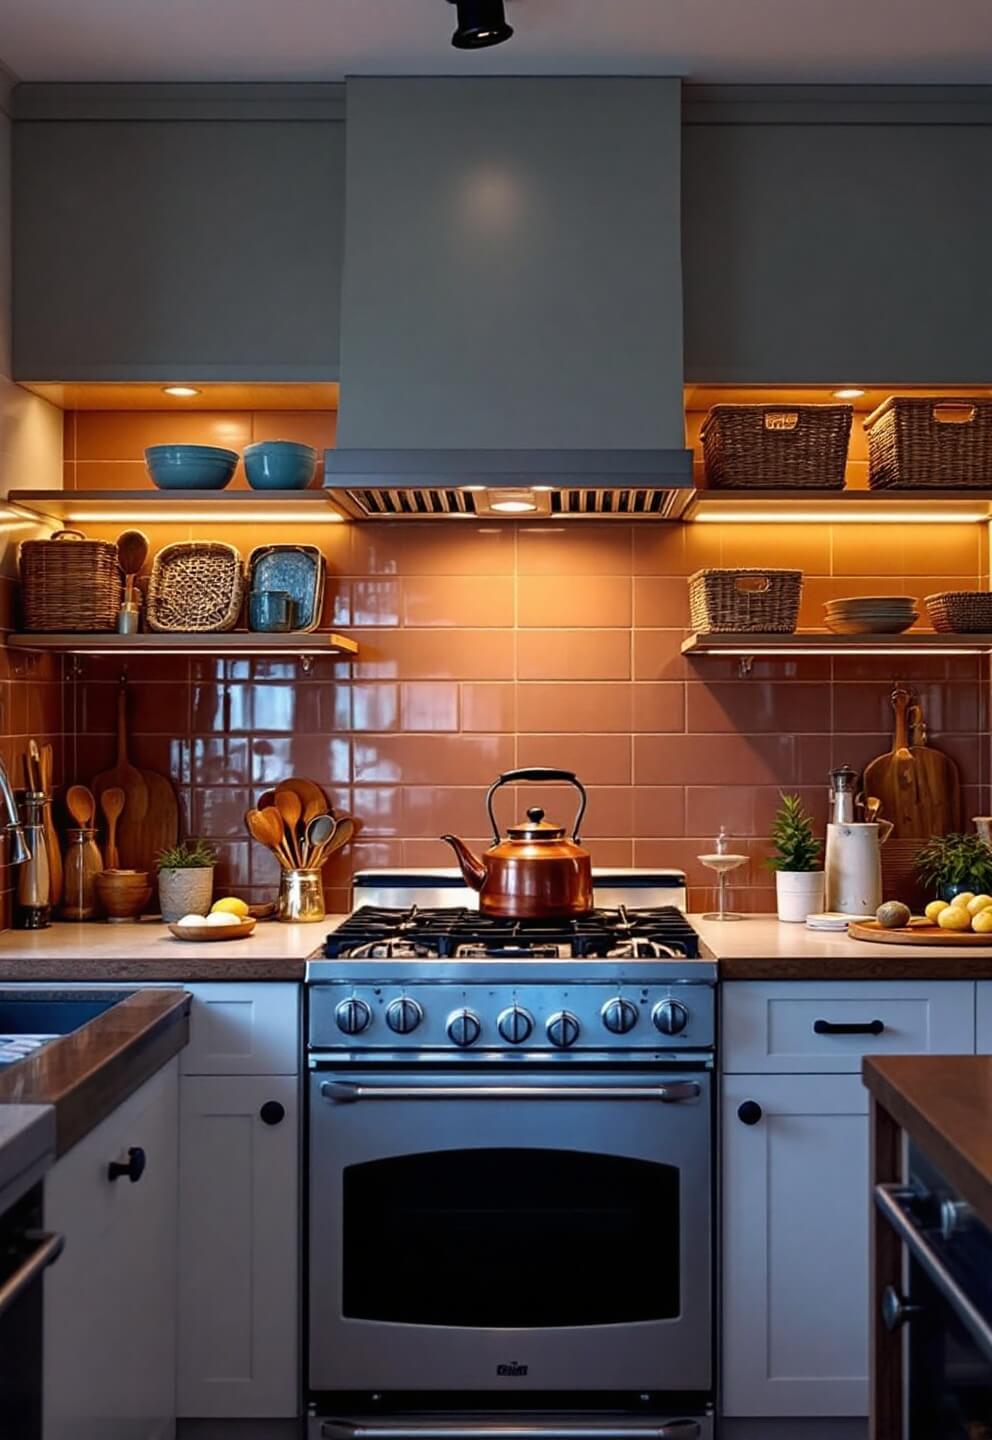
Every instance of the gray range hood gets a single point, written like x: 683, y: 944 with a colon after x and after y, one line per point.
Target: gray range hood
x: 512, y: 302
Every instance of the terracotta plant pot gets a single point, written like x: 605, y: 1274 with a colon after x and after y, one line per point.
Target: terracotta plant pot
x: 123, y: 894
x: 185, y: 892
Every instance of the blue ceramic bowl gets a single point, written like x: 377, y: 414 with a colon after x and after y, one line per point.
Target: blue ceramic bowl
x: 280, y: 465
x: 190, y: 467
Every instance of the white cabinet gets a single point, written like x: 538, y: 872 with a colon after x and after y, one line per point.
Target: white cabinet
x: 243, y: 1029
x: 983, y: 1017
x: 110, y: 1308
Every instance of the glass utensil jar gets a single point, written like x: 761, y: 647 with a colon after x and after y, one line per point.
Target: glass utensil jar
x: 301, y: 896
x: 83, y: 864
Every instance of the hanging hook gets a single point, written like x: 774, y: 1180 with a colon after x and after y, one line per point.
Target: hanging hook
x: 306, y: 664
x: 745, y: 665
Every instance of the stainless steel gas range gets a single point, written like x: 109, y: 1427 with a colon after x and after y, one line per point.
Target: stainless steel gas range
x: 510, y: 1165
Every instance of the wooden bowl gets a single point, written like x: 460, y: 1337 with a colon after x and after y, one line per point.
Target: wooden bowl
x: 200, y: 933
x: 123, y: 894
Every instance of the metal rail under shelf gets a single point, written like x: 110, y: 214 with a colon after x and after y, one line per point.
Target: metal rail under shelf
x: 303, y: 646
x: 823, y: 642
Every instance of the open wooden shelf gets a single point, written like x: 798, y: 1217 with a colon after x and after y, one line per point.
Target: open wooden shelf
x: 231, y: 642
x: 263, y: 507
x: 839, y: 506
x: 823, y: 642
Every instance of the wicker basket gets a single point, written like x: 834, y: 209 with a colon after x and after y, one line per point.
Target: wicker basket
x: 961, y: 612
x: 776, y: 447
x: 919, y: 444
x: 764, y: 602
x: 69, y: 584
x: 195, y: 587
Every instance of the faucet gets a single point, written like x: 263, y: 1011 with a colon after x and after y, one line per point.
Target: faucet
x: 20, y: 850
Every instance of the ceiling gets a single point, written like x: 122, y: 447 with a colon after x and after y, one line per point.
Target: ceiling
x: 707, y: 40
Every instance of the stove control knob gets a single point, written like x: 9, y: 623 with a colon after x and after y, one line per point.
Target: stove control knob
x: 515, y: 1024
x: 670, y: 1017
x: 464, y: 1028
x: 563, y: 1029
x: 619, y: 1015
x: 353, y: 1016
x: 404, y: 1015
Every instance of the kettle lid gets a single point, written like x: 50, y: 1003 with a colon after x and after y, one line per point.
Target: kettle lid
x: 535, y: 827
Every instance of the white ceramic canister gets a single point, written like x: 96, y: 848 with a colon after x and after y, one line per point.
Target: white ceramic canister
x: 853, y: 867
x: 798, y: 893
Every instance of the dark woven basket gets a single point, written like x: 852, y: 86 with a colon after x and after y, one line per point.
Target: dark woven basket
x: 961, y: 612
x: 776, y: 447
x: 69, y: 584
x: 755, y: 602
x: 919, y: 444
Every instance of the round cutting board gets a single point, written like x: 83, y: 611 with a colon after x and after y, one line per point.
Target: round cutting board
x: 200, y: 933
x: 919, y: 931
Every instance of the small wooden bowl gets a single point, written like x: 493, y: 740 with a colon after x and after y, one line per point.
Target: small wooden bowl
x: 214, y: 932
x: 123, y: 894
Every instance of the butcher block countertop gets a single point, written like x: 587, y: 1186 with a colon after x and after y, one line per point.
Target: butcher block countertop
x: 943, y: 1102
x: 755, y: 948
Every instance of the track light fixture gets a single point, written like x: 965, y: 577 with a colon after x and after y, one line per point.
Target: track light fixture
x: 480, y: 23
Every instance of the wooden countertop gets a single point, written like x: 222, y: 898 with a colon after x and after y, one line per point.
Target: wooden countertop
x: 944, y: 1103
x: 88, y: 1073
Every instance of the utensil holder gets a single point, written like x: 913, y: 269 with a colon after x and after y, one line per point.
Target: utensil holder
x: 301, y: 897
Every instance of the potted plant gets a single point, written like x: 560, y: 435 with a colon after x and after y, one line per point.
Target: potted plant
x: 948, y: 864
x: 796, y: 862
x: 186, y: 879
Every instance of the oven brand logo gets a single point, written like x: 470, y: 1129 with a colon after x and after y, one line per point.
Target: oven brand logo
x: 512, y: 1371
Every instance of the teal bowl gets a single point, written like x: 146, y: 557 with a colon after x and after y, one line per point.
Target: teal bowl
x: 190, y: 467
x: 280, y: 465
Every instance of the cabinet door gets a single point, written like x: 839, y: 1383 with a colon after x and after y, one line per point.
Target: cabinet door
x: 110, y: 1308
x: 241, y: 1028
x: 983, y: 1017
x: 795, y: 1247
x: 240, y: 1242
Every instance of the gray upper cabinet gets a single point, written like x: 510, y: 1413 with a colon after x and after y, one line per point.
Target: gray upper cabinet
x: 837, y: 239
x: 158, y: 249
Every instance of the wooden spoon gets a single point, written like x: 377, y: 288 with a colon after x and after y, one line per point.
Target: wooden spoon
x: 266, y: 827
x: 132, y: 552
x: 344, y: 832
x: 289, y: 807
x: 112, y: 803
x: 81, y: 805
x: 319, y: 831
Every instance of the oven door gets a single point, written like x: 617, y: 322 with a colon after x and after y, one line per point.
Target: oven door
x: 510, y: 1232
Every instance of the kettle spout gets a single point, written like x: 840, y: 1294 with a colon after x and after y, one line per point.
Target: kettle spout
x: 471, y: 866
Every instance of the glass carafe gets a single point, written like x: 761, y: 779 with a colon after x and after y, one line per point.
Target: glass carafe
x: 83, y: 864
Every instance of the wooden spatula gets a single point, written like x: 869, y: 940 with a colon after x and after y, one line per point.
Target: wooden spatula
x: 112, y: 804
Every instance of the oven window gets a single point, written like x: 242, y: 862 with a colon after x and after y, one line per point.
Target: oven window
x: 511, y: 1238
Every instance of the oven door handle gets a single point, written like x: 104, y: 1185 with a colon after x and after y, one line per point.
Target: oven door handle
x: 466, y: 1430
x: 932, y: 1265
x: 346, y: 1093
x: 48, y: 1250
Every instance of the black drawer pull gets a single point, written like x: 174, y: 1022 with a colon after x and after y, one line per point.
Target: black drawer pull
x: 749, y: 1112
x: 133, y: 1168
x: 837, y: 1027
x: 272, y: 1113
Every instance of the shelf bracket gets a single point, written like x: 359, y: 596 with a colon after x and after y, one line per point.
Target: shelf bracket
x: 745, y: 665
x: 306, y: 665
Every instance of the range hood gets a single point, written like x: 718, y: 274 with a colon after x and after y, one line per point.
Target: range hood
x: 511, y: 318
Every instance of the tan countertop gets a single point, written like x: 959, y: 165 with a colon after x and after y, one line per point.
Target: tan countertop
x: 755, y: 948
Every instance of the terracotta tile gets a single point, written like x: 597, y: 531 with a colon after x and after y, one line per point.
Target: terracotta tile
x: 429, y: 705
x: 375, y: 602
x: 683, y: 855
x: 233, y: 869
x: 658, y: 655
x: 947, y: 707
x: 610, y: 854
x: 374, y: 706
x: 378, y: 808
x: 444, y: 547
x: 125, y: 434
x: 767, y: 801
x: 599, y: 601
x: 491, y: 709
x: 432, y: 810
x: 968, y: 751
x: 458, y: 601
x: 307, y: 427
x: 787, y: 547
x: 661, y: 600
x: 577, y: 548
x: 658, y: 810
x: 156, y: 709
x: 713, y: 759
x: 816, y: 756
x: 220, y: 814
x: 220, y: 762
x: 323, y: 758
x: 435, y: 655
x: 745, y: 899
x: 942, y: 549
x: 658, y: 706
x: 708, y: 807
x: 610, y: 812
x: 573, y: 655
x: 666, y: 549
x: 578, y: 708
x: 748, y: 707
x: 596, y: 759
x: 432, y: 759
x: 435, y: 852
x: 367, y: 855
x: 168, y: 754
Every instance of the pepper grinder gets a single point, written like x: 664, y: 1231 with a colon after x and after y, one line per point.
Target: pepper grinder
x: 843, y: 784
x: 34, y: 889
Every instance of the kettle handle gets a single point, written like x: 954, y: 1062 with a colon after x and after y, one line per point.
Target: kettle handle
x: 540, y: 774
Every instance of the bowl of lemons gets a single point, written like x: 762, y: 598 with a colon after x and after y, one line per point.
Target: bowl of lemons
x: 227, y: 919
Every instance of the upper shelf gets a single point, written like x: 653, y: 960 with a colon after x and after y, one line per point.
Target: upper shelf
x: 228, y: 642
x: 840, y: 506
x: 823, y: 642
x: 176, y: 506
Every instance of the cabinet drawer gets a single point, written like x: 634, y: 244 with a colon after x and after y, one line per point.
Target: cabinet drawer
x: 243, y: 1029
x: 802, y: 1026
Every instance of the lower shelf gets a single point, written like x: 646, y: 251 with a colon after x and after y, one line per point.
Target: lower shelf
x: 822, y: 642
x: 232, y: 642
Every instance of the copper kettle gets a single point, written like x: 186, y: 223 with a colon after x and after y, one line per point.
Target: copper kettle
x: 536, y: 872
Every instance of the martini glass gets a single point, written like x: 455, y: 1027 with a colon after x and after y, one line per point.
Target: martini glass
x: 722, y: 861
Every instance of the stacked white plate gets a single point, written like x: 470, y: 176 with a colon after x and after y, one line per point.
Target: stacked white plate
x: 871, y: 614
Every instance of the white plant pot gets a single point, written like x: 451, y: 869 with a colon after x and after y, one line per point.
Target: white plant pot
x: 185, y: 892
x: 798, y: 893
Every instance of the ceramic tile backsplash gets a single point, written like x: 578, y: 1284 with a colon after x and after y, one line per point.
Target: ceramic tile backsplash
x: 485, y: 646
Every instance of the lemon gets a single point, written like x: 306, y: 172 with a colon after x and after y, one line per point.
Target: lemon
x: 965, y: 898
x: 980, y: 902
x: 934, y: 909
x: 955, y: 917
x: 231, y: 905
x: 982, y: 922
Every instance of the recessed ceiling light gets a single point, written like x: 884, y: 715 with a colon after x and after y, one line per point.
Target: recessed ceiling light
x: 850, y: 392
x: 180, y: 392
x: 470, y: 488
x: 480, y: 23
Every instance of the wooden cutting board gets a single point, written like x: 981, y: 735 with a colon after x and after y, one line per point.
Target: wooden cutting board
x: 150, y: 819
x: 919, y: 788
x: 917, y: 932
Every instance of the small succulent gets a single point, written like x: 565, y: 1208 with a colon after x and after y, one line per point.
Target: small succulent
x: 796, y: 847
x: 955, y: 861
x: 189, y: 855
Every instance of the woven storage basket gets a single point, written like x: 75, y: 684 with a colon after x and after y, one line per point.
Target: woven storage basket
x: 776, y: 447
x: 195, y: 587
x: 918, y: 444
x: 69, y: 584
x: 762, y: 602
x: 961, y: 612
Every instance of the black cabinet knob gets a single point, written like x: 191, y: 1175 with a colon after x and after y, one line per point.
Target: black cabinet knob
x: 272, y: 1113
x: 133, y: 1167
x: 749, y: 1113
